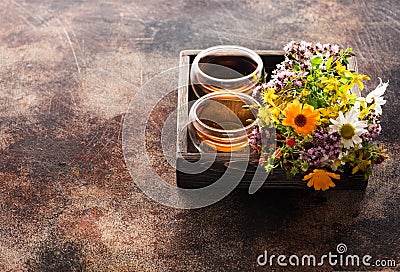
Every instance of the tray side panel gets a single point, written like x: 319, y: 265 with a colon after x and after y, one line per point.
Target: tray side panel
x: 275, y: 180
x: 183, y: 97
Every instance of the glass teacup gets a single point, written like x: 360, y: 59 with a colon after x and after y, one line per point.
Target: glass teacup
x: 222, y: 121
x: 225, y: 67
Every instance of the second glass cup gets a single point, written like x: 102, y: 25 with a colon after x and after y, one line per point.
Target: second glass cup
x: 222, y: 121
x: 225, y: 68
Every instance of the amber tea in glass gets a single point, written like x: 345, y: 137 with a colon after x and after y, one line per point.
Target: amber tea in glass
x: 225, y: 68
x: 222, y: 121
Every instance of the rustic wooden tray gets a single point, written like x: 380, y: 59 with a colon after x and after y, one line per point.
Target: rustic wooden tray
x: 186, y: 150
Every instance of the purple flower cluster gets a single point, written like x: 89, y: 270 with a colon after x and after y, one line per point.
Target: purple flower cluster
x: 299, y: 53
x: 325, y: 146
x: 262, y: 137
x: 256, y: 94
x: 303, y: 51
x: 373, y: 131
x: 255, y: 138
x: 281, y: 77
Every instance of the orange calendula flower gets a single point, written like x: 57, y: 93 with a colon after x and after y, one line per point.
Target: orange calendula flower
x: 321, y: 179
x: 302, y: 118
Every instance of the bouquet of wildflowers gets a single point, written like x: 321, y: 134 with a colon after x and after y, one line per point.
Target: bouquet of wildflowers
x: 323, y: 125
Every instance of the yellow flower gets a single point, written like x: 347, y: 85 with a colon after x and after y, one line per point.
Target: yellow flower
x: 275, y: 112
x: 363, y: 165
x: 321, y: 179
x: 329, y: 84
x: 347, y: 97
x: 269, y: 96
x: 342, y: 70
x: 265, y: 115
x: 304, y: 93
x: 327, y: 113
x: 357, y: 78
x: 302, y: 118
x: 340, y: 67
x: 362, y: 106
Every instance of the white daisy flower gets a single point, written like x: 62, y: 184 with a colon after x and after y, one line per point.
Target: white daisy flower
x: 376, y: 96
x: 334, y: 164
x: 360, y: 103
x: 349, y: 128
x: 357, y: 105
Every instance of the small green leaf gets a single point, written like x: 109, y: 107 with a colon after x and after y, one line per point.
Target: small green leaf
x: 316, y: 61
x: 304, y: 166
x: 294, y: 171
x: 313, y: 103
x: 329, y: 63
x: 255, y: 77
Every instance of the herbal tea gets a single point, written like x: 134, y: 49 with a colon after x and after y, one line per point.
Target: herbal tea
x: 227, y: 67
x: 223, y: 123
x: 226, y: 113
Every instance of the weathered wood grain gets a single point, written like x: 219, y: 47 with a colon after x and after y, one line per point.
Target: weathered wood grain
x: 183, y: 108
x: 275, y: 180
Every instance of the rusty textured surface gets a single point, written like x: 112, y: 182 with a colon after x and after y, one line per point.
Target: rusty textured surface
x: 68, y: 70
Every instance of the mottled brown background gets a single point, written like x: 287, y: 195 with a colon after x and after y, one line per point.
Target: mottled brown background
x: 68, y: 70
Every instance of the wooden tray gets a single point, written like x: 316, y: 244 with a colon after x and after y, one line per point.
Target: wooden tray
x: 186, y: 150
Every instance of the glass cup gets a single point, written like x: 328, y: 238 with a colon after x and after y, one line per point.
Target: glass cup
x: 222, y: 121
x: 225, y: 67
